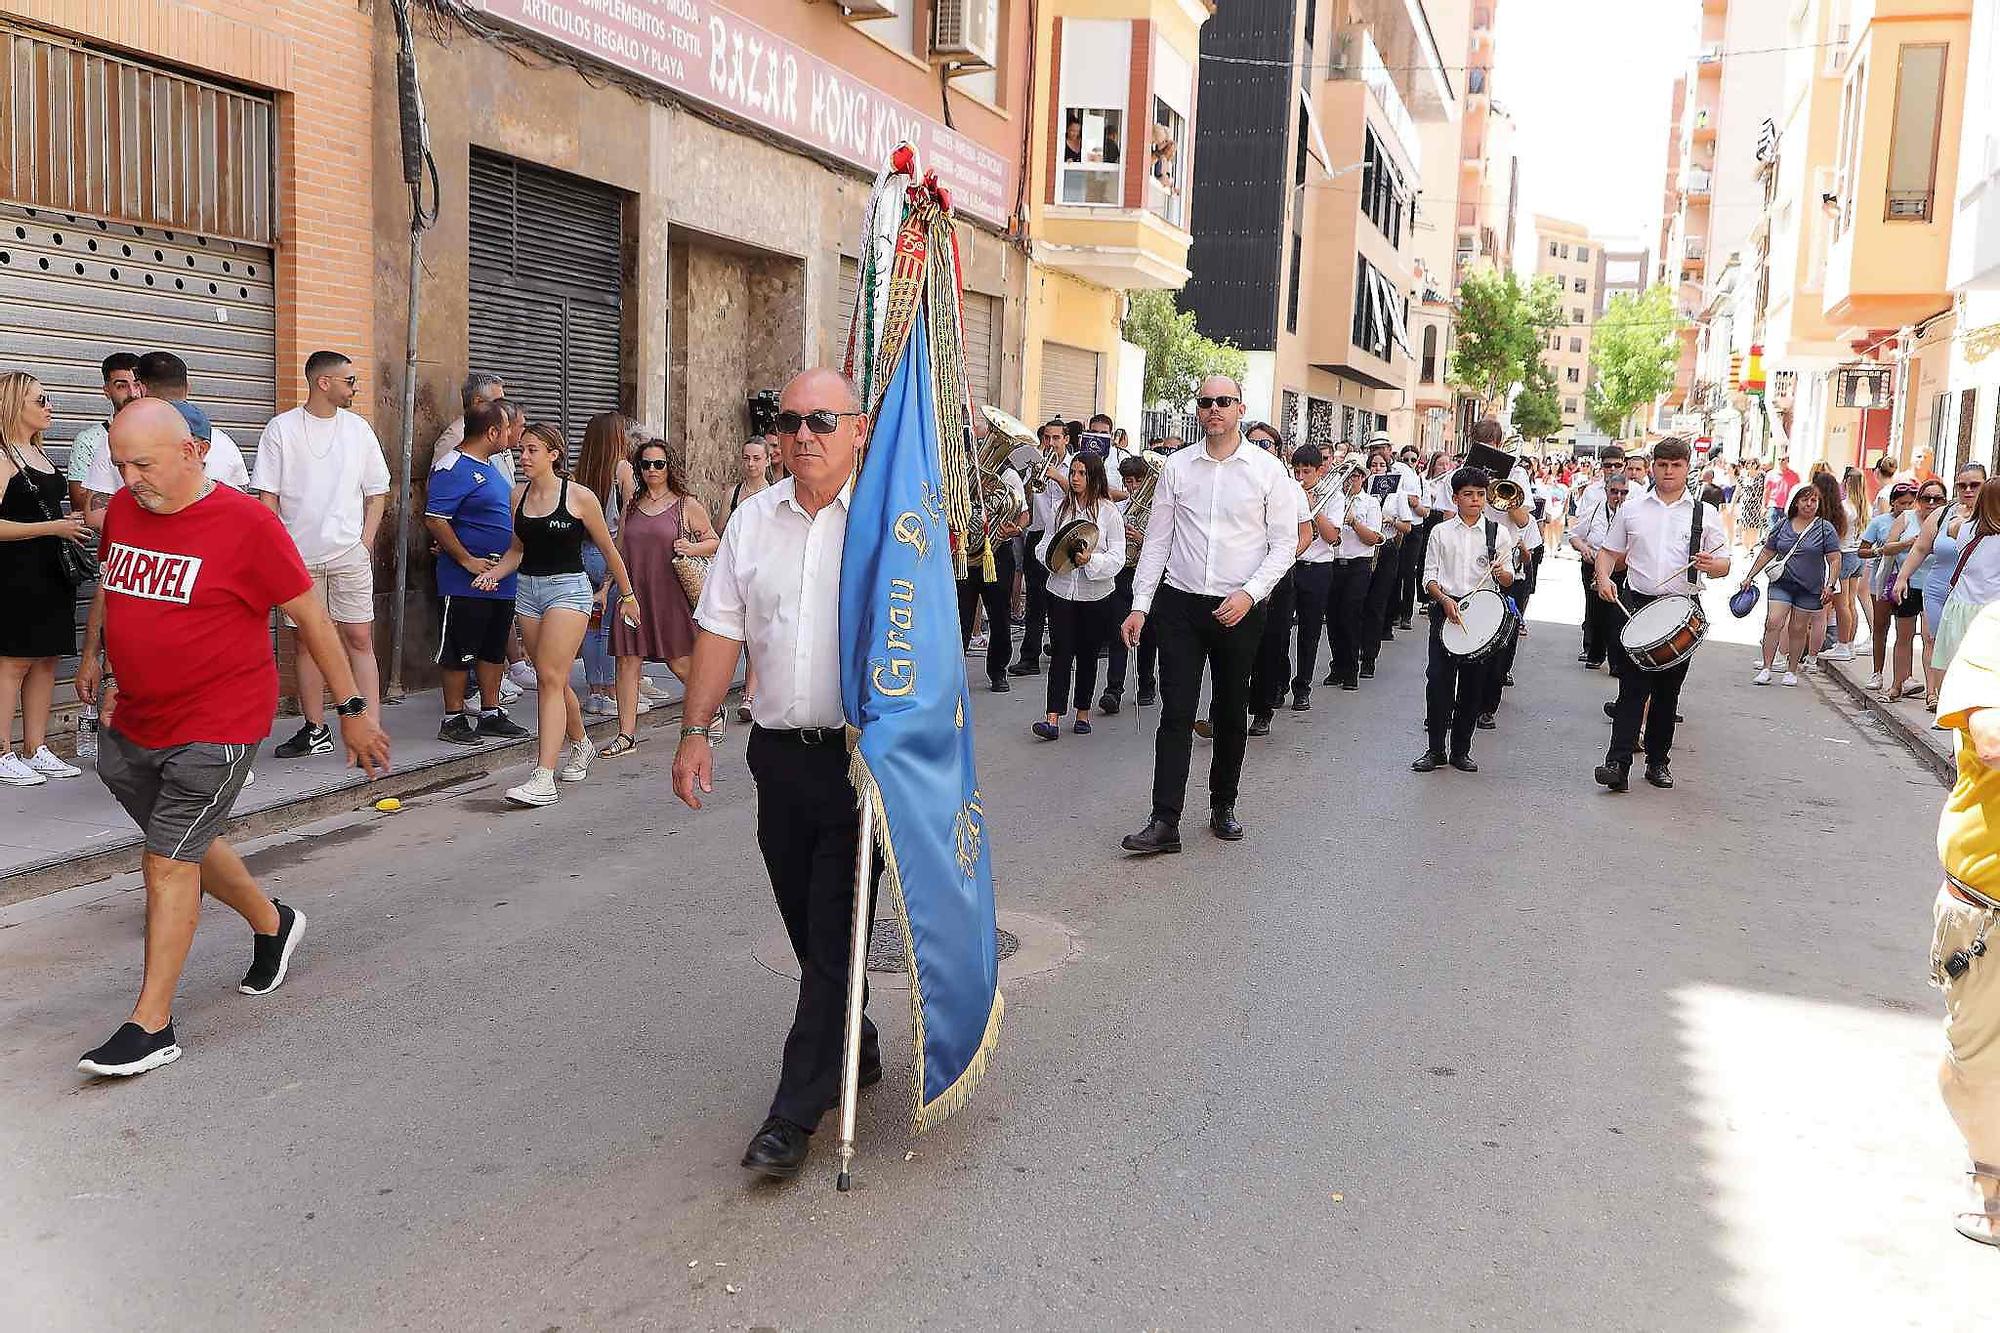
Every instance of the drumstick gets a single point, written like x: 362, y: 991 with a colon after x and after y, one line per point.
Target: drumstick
x: 1619, y: 603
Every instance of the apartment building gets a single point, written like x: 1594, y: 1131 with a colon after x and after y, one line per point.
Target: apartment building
x: 1622, y: 270
x: 1110, y: 168
x: 1567, y: 255
x: 1304, y: 239
x: 1973, y: 270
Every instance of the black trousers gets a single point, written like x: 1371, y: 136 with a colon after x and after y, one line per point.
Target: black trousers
x: 1272, y: 670
x: 973, y: 591
x: 1653, y: 696
x: 1593, y: 625
x: 1376, y: 610
x: 1120, y: 655
x: 1313, y: 587
x: 1347, y: 606
x: 1409, y: 573
x: 1036, y: 575
x: 1191, y: 638
x: 807, y: 814
x: 1454, y: 693
x: 1077, y: 631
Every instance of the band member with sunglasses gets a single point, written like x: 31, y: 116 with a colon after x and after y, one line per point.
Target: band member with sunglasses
x: 1223, y: 530
x: 1044, y: 494
x: 775, y: 589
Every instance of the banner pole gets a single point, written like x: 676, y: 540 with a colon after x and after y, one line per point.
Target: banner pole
x: 857, y: 980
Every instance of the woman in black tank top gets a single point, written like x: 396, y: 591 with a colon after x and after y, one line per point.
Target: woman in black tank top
x: 553, y: 601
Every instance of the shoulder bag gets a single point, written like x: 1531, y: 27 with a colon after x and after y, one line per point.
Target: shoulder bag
x: 691, y: 570
x: 79, y: 564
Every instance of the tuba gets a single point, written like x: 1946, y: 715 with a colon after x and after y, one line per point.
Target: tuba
x: 1507, y: 494
x: 1139, y: 508
x: 1006, y: 437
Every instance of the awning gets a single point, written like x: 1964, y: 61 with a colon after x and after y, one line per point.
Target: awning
x: 1318, y: 149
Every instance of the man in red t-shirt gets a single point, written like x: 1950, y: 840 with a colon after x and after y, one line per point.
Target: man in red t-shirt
x: 189, y: 574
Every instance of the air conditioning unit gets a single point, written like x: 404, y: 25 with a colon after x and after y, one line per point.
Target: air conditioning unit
x: 872, y: 9
x: 965, y: 33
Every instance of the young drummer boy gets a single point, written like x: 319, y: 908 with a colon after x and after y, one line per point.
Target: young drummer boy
x: 1466, y: 552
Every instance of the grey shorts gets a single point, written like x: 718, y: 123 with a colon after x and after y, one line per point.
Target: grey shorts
x: 181, y: 796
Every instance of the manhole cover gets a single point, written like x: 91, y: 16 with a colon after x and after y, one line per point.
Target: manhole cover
x: 886, y: 952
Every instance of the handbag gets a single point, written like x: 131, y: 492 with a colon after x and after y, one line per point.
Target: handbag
x: 692, y: 571
x: 79, y: 563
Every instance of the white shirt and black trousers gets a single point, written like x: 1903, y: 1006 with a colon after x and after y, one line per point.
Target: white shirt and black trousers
x: 775, y: 587
x: 1347, y: 599
x: 1218, y: 526
x: 1654, y: 537
x: 1270, y: 675
x: 1459, y: 559
x: 1041, y: 513
x: 1081, y: 604
x: 974, y: 590
x: 1378, y: 617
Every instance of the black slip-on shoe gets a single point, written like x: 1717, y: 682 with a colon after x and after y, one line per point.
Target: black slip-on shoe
x: 132, y: 1050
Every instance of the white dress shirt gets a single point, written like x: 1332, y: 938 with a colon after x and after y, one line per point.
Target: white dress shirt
x: 1592, y: 528
x: 775, y: 587
x: 1441, y: 495
x: 1219, y: 525
x: 1095, y: 578
x: 1528, y: 537
x: 1043, y: 503
x: 1348, y: 510
x: 224, y: 463
x: 1317, y: 551
x: 1653, y: 538
x: 1455, y: 559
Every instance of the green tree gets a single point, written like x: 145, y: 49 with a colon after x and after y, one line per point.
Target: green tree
x: 1633, y: 355
x: 1538, y: 408
x: 1502, y: 329
x: 1178, y: 356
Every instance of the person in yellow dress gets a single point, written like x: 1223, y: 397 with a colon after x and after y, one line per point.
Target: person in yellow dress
x: 1965, y: 954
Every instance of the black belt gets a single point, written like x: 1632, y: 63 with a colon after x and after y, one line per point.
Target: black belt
x: 802, y: 735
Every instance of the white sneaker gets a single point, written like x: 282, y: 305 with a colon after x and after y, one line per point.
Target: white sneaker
x: 509, y: 691
x: 1791, y: 678
x: 979, y: 644
x: 51, y: 767
x: 1763, y: 676
x: 14, y: 772
x: 576, y: 760
x: 1874, y: 682
x: 539, y: 789
x: 522, y: 675
x: 743, y: 710
x: 1840, y: 652
x: 648, y: 690
x: 599, y: 706
x: 645, y: 705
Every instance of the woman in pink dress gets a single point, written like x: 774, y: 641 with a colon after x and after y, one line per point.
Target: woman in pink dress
x: 661, y: 521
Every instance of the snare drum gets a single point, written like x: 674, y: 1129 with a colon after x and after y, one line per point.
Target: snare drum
x: 1487, y: 619
x: 1664, y: 632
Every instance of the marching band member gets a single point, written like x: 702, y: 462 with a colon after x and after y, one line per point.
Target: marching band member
x: 1584, y: 514
x: 1222, y: 532
x: 1080, y: 597
x: 1417, y: 511
x: 1600, y: 620
x: 1466, y: 552
x: 1131, y: 472
x: 1378, y: 607
x: 1649, y: 539
x: 974, y: 590
x: 1044, y: 494
x: 1269, y: 677
x: 1314, y: 574
x: 1359, y: 516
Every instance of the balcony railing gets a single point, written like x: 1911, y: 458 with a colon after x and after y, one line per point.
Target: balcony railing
x: 1697, y: 181
x: 1359, y: 59
x: 1909, y: 206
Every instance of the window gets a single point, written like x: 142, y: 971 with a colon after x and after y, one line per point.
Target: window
x: 1292, y: 285
x: 1167, y: 170
x: 1565, y: 249
x: 1913, y: 136
x: 1576, y: 344
x: 1569, y: 407
x: 1582, y: 254
x: 1576, y: 315
x: 1382, y: 190
x: 1377, y: 309
x: 1580, y: 286
x: 1430, y: 363
x: 1475, y: 81
x: 1552, y: 249
x: 1096, y: 56
x: 1574, y: 375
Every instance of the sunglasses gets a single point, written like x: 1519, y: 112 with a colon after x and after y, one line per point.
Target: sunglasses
x: 1963, y: 485
x: 1931, y: 498
x: 652, y: 465
x: 41, y: 400
x: 1224, y: 401
x: 824, y: 421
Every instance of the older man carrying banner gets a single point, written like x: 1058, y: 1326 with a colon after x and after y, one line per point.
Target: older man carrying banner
x: 1964, y: 964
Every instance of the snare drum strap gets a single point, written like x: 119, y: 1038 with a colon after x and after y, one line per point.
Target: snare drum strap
x: 1694, y: 546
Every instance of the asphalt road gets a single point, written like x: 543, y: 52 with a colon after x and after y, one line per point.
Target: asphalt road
x: 1493, y: 1051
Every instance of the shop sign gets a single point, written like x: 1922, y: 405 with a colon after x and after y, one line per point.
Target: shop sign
x: 1864, y: 386
x: 706, y: 52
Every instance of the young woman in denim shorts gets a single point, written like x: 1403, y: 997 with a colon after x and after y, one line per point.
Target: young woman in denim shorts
x: 553, y: 600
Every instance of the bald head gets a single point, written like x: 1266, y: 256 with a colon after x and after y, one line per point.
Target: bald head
x: 821, y: 385
x: 1218, y: 406
x: 157, y: 455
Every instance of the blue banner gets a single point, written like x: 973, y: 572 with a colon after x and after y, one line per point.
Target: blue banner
x: 902, y: 683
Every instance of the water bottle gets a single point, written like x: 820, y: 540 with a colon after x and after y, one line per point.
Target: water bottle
x: 86, y: 733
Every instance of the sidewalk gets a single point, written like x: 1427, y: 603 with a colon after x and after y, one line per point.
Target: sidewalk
x: 69, y: 830
x: 1911, y: 722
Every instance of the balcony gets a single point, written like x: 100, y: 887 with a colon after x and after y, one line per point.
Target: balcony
x: 1390, y: 44
x: 1694, y: 256
x: 1359, y: 60
x: 1697, y: 183
x: 1125, y: 249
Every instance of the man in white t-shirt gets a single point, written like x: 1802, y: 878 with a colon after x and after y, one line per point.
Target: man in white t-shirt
x: 165, y: 375
x: 320, y: 470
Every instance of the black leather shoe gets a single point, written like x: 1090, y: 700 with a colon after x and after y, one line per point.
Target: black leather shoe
x: 1463, y: 763
x: 1001, y: 685
x: 1146, y: 697
x: 1107, y: 704
x: 1486, y: 722
x: 1025, y: 669
x: 1223, y: 824
x: 1660, y: 776
x: 1611, y: 710
x: 778, y: 1149
x: 1429, y: 762
x: 1404, y: 623
x: 1260, y: 724
x: 1332, y: 678
x: 1614, y: 776
x: 1508, y: 681
x: 1388, y: 636
x: 1589, y: 665
x: 1583, y: 656
x: 1368, y: 671
x: 1351, y: 683
x: 1155, y: 837
x: 1302, y: 701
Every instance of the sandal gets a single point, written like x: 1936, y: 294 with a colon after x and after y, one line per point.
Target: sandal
x: 624, y: 744
x: 1982, y: 1226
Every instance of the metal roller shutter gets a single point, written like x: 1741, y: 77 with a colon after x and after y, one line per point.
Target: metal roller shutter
x: 546, y: 265
x: 1069, y: 383
x: 846, y: 292
x: 982, y: 347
